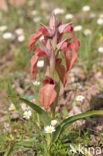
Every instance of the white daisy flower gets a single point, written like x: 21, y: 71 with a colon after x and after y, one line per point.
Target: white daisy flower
x: 77, y: 85
x: 58, y: 11
x: 87, y: 32
x: 78, y: 28
x: 79, y: 98
x: 100, y: 49
x: 37, y: 19
x: 49, y: 129
x: 8, y: 35
x: 40, y: 64
x: 86, y: 8
x: 12, y: 107
x: 36, y: 83
x: 68, y: 16
x: 100, y: 21
x: 3, y: 28
x: 41, y: 38
x: 53, y: 122
x: 27, y: 114
x: 92, y: 15
x: 21, y: 38
x: 19, y: 31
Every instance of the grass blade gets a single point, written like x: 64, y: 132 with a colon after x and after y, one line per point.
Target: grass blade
x: 72, y: 119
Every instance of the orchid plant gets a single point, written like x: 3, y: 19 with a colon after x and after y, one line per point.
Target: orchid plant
x: 52, y: 45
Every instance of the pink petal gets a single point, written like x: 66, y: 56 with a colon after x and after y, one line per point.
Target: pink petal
x: 62, y: 72
x: 49, y: 44
x: 46, y: 31
x: 63, y: 44
x: 70, y: 58
x: 76, y: 41
x: 47, y: 51
x: 47, y: 95
x: 65, y: 28
x: 38, y: 53
x: 34, y: 61
x: 53, y: 22
x: 33, y: 39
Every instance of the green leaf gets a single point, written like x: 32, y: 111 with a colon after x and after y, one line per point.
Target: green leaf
x: 28, y: 144
x: 43, y: 114
x: 10, y: 149
x: 72, y: 119
x: 11, y: 93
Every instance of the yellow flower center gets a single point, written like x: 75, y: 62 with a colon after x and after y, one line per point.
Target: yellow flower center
x: 13, y: 108
x: 101, y: 38
x: 77, y: 85
x: 15, y: 130
x: 79, y: 97
x: 49, y: 130
x: 27, y: 114
x: 41, y: 64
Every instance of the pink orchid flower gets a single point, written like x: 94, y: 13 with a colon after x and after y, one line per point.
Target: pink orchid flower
x: 47, y: 94
x: 51, y: 47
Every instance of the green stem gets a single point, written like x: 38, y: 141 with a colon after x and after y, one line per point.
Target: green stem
x: 48, y: 144
x: 53, y: 111
x: 53, y: 106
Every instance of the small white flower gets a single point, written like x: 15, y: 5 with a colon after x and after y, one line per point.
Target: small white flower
x: 36, y: 83
x: 100, y: 49
x: 3, y: 28
x: 8, y: 35
x: 87, y: 32
x: 19, y: 31
x: 53, y: 122
x: 37, y: 19
x: 40, y: 64
x: 79, y: 98
x: 41, y: 38
x: 86, y: 8
x: 78, y: 28
x: 77, y: 85
x: 12, y: 107
x: 58, y: 11
x: 100, y: 21
x: 27, y: 114
x: 49, y: 129
x: 34, y: 12
x: 68, y: 16
x: 21, y: 38
x: 92, y: 15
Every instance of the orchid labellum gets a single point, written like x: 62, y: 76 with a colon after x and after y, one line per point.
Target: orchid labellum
x: 52, y: 46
